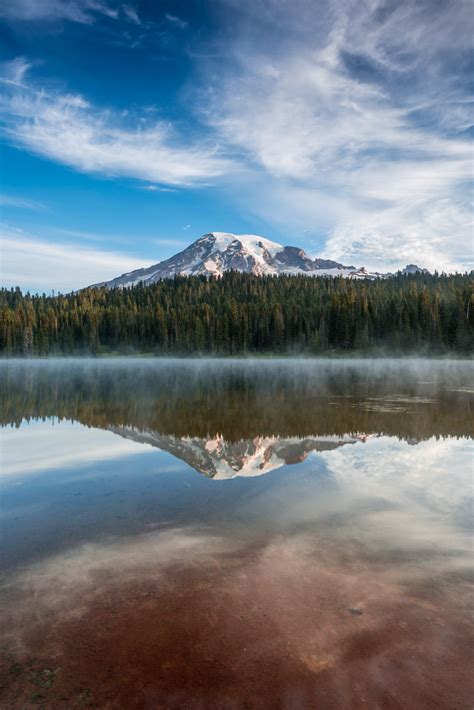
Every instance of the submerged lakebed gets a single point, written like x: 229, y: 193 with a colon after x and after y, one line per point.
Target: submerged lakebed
x: 236, y: 533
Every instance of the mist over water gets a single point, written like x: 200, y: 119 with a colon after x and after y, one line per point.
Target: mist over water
x: 237, y: 533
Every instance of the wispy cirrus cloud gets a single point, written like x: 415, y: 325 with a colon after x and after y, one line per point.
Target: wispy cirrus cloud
x: 83, y: 11
x: 176, y: 21
x: 15, y: 70
x: 20, y: 202
x: 66, y: 128
x: 131, y: 13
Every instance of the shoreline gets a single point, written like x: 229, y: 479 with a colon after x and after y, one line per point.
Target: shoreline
x: 240, y: 358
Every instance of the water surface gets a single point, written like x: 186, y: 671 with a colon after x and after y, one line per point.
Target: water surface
x: 236, y: 534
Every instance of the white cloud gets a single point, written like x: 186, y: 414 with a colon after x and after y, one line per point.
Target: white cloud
x: 131, y: 13
x: 177, y: 21
x: 436, y: 233
x: 14, y: 71
x: 158, y: 188
x: 83, y: 11
x: 353, y: 121
x: 20, y: 202
x: 31, y: 262
x: 66, y: 128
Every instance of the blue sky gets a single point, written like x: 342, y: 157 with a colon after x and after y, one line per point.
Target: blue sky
x: 128, y: 129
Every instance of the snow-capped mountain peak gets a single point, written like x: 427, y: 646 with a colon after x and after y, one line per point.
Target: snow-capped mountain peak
x: 250, y: 242
x: 241, y: 252
x: 217, y: 252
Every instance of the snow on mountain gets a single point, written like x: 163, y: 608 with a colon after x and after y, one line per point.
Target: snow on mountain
x: 214, y: 253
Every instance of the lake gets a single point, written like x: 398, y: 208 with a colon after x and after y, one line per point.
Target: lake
x: 236, y: 534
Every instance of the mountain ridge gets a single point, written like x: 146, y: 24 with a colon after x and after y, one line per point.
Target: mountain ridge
x: 217, y: 252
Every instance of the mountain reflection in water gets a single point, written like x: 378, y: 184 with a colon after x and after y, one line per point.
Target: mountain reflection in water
x: 342, y: 579
x: 219, y: 459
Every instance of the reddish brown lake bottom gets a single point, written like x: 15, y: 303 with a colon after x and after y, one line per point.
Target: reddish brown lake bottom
x: 269, y: 626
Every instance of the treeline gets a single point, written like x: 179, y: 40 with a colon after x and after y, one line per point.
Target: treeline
x: 246, y: 314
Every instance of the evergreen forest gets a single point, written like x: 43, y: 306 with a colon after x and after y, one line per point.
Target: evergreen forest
x: 243, y: 314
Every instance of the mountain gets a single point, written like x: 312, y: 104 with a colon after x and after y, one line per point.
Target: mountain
x: 414, y: 269
x: 217, y: 458
x: 217, y: 252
